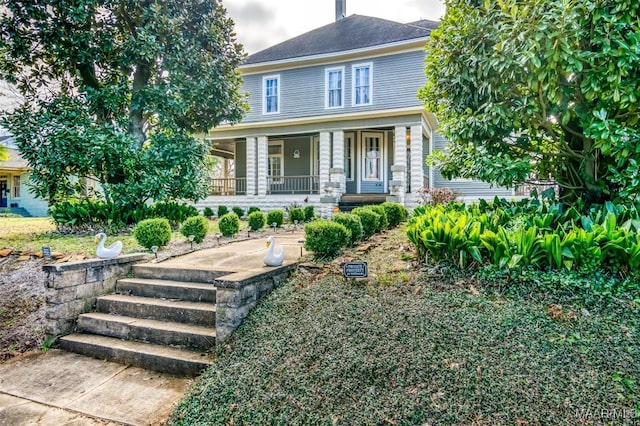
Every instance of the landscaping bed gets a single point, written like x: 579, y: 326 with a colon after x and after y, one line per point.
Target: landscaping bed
x: 420, y: 344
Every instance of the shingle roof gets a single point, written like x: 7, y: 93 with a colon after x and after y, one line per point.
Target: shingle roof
x: 350, y: 33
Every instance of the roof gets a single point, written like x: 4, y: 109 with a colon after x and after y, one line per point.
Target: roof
x: 15, y: 162
x: 350, y: 33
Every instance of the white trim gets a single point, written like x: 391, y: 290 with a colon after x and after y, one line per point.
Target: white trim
x: 364, y: 53
x: 280, y: 143
x: 382, y: 172
x: 363, y: 65
x: 350, y: 148
x: 264, y: 93
x: 343, y: 80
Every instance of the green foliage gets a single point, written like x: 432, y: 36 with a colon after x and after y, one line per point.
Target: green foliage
x: 257, y: 220
x: 369, y: 219
x: 275, y: 216
x: 114, y: 90
x: 396, y: 213
x: 326, y: 238
x: 198, y: 226
x: 175, y: 213
x: 222, y: 210
x: 296, y: 214
x: 309, y: 213
x: 207, y: 212
x: 352, y: 223
x: 229, y: 224
x: 253, y: 209
x: 83, y: 213
x: 538, y: 90
x: 530, y: 234
x: 153, y: 232
x: 238, y: 210
x: 383, y: 221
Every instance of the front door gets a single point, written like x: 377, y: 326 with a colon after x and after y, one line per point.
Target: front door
x: 374, y: 163
x: 3, y: 193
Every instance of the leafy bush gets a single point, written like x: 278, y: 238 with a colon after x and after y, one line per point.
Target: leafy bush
x: 238, y: 210
x: 309, y: 213
x: 383, y: 221
x: 153, y: 232
x: 198, y: 226
x: 352, y: 223
x: 257, y: 220
x: 326, y: 238
x: 253, y: 209
x: 175, y: 213
x: 296, y: 213
x: 396, y: 213
x: 95, y: 213
x: 369, y: 219
x: 275, y: 216
x: 208, y: 212
x: 229, y: 224
x: 222, y: 210
x: 538, y: 235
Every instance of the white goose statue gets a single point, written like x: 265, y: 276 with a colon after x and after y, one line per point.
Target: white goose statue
x: 107, y: 252
x: 273, y: 257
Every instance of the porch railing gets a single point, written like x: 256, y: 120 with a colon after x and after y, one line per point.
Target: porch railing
x: 293, y: 184
x: 229, y: 186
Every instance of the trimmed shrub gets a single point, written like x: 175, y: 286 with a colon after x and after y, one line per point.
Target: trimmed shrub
x: 296, y: 213
x: 326, y: 238
x: 383, y: 222
x: 352, y: 223
x: 238, y: 210
x: 153, y: 232
x: 309, y: 213
x: 257, y: 220
x: 396, y: 213
x: 275, y: 216
x: 198, y: 226
x: 253, y: 209
x: 229, y: 224
x: 369, y: 219
x: 222, y: 210
x: 208, y: 212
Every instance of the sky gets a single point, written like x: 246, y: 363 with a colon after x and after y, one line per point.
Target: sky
x: 264, y: 23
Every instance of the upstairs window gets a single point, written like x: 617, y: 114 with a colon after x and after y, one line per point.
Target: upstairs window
x: 362, y: 84
x: 271, y: 94
x: 334, y: 88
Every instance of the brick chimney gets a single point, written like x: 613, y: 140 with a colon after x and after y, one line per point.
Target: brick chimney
x: 341, y: 9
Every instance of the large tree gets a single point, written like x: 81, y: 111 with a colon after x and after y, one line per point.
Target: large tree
x: 114, y: 90
x: 539, y: 89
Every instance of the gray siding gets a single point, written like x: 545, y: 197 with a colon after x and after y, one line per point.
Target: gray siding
x: 467, y: 188
x: 396, y: 79
x: 297, y: 166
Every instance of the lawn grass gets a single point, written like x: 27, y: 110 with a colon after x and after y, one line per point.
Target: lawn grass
x: 324, y: 351
x: 20, y: 234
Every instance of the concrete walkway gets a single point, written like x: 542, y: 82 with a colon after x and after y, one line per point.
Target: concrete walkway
x: 62, y: 388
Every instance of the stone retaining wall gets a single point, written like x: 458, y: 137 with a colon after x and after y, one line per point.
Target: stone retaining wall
x: 238, y: 293
x: 72, y: 288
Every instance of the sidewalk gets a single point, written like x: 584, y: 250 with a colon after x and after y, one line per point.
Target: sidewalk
x: 62, y: 388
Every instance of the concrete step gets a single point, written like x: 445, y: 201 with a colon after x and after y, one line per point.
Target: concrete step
x: 158, y: 309
x: 179, y: 362
x: 164, y: 289
x: 183, y: 274
x: 149, y: 331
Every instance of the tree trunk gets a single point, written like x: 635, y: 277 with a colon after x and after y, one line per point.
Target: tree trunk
x: 136, y: 125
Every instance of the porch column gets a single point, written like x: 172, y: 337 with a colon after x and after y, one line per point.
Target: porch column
x: 398, y: 184
x: 337, y: 171
x: 263, y: 164
x: 325, y: 161
x: 417, y: 159
x: 251, y: 166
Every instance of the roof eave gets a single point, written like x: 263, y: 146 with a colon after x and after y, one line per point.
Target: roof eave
x: 304, y: 61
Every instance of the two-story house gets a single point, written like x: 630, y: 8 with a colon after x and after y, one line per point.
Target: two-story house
x: 334, y: 112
